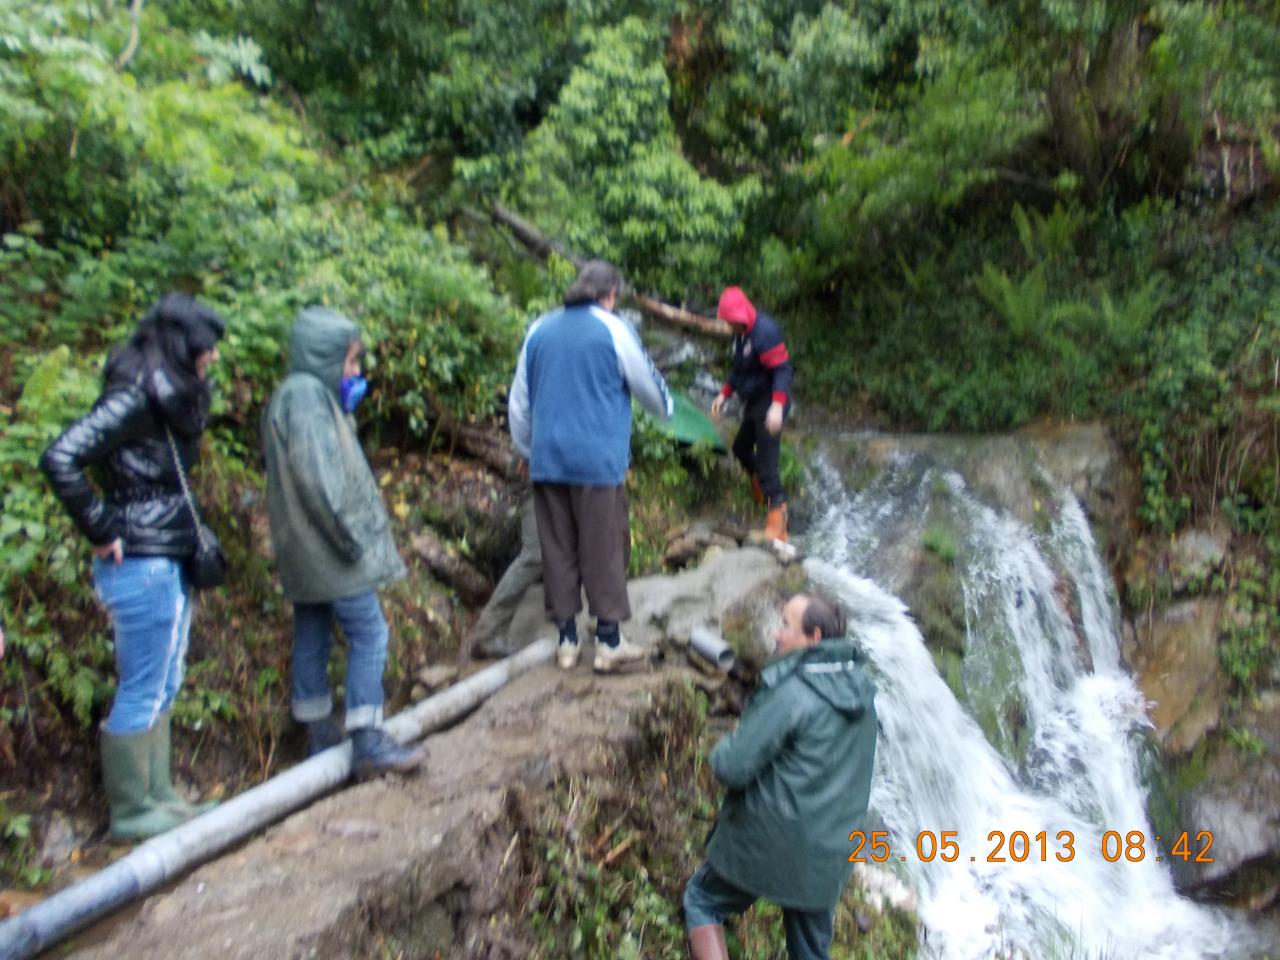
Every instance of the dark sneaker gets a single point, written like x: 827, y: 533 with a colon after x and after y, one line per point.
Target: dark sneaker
x: 374, y: 752
x: 323, y: 734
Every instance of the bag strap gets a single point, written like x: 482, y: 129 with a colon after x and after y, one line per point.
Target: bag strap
x: 186, y: 489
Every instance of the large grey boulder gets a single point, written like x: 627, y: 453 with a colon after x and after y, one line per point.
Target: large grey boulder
x: 1238, y: 802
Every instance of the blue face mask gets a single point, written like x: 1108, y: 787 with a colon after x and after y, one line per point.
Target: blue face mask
x: 353, y: 390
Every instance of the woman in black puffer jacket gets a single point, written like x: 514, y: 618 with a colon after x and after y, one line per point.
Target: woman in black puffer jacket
x: 155, y: 388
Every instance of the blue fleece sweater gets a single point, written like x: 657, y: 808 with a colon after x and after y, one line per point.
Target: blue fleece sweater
x: 570, y: 405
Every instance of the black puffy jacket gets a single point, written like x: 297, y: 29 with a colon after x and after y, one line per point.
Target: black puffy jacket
x: 143, y: 503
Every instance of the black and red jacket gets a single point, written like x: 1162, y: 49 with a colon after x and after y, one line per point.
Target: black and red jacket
x: 761, y: 364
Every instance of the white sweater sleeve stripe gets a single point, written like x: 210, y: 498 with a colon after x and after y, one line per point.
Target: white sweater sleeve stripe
x: 642, y: 378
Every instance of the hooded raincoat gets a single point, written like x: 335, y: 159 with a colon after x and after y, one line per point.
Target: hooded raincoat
x: 329, y: 528
x: 798, y: 772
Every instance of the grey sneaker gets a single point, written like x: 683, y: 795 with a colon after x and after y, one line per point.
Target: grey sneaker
x: 612, y: 659
x: 567, y: 655
x: 374, y: 752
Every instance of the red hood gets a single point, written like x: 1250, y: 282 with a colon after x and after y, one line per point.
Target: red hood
x: 736, y: 308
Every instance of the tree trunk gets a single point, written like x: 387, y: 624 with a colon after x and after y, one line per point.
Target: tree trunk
x: 471, y: 584
x: 543, y: 246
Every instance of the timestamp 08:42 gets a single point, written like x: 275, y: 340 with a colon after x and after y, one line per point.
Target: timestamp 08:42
x: 1018, y: 846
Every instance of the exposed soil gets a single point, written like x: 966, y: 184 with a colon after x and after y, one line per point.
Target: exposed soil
x: 419, y: 862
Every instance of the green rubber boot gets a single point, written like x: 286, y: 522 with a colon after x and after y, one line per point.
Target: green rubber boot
x: 126, y: 774
x: 162, y: 791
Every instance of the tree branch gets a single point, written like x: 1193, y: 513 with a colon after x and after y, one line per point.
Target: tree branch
x: 543, y: 246
x: 135, y: 15
x: 532, y: 237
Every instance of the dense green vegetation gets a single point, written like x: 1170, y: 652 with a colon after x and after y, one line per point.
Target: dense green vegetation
x: 969, y: 213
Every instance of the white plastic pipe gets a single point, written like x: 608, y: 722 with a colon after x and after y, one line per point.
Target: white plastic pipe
x: 160, y: 859
x: 711, y: 648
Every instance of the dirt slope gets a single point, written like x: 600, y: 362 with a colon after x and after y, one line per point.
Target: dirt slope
x: 414, y: 855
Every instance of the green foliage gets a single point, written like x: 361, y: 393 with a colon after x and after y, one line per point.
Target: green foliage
x: 19, y: 854
x: 666, y: 482
x: 1246, y: 648
x: 1247, y: 742
x: 39, y: 548
x: 604, y: 170
x: 941, y: 543
x: 969, y: 214
x: 118, y: 184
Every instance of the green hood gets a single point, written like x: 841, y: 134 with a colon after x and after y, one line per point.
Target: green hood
x: 835, y: 670
x: 330, y: 531
x: 798, y: 777
x: 318, y: 345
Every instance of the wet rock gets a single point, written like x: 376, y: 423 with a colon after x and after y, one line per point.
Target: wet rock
x: 62, y: 839
x: 1238, y: 802
x: 1175, y: 659
x: 687, y: 545
x: 439, y: 676
x: 883, y: 889
x: 1196, y: 555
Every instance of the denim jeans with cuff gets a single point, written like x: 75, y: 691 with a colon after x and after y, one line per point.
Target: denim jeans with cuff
x: 366, y: 630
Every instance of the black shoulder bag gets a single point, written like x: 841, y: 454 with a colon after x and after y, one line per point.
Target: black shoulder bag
x: 207, y: 567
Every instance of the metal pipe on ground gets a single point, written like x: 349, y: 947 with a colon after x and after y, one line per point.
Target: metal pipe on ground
x: 162, y: 858
x: 711, y: 648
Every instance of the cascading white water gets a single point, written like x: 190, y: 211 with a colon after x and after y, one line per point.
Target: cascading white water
x: 937, y: 771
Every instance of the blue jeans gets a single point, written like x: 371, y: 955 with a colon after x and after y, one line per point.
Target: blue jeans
x: 711, y: 899
x: 366, y: 631
x: 149, y: 602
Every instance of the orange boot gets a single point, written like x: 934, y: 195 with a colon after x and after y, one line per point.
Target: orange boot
x: 757, y: 491
x: 775, y: 526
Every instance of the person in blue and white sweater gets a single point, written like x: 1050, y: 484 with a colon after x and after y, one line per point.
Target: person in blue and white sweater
x: 570, y: 413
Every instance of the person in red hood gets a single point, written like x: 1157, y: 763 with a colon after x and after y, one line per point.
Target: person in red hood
x: 761, y: 376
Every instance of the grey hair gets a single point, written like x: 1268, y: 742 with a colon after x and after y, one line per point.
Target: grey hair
x: 822, y: 613
x: 596, y: 280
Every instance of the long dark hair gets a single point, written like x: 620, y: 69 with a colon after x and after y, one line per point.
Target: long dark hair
x: 161, y: 357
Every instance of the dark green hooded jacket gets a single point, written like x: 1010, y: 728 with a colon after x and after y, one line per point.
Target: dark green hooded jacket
x: 798, y: 771
x: 329, y: 528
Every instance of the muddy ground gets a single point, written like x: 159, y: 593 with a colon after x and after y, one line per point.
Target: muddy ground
x: 449, y: 861
x: 412, y: 866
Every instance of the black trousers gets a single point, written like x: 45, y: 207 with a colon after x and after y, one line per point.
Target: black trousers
x: 586, y: 542
x: 758, y: 450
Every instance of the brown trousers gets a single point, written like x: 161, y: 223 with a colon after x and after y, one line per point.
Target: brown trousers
x: 586, y: 542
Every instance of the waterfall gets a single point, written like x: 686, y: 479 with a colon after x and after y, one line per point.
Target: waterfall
x: 1040, y: 630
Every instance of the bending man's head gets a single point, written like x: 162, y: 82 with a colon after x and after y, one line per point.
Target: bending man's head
x: 598, y: 281
x: 808, y: 619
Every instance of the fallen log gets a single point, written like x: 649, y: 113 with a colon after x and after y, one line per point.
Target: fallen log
x: 472, y: 585
x: 485, y: 446
x: 543, y: 246
x: 682, y: 317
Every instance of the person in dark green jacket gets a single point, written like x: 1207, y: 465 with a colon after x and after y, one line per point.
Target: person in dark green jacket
x: 798, y: 773
x: 332, y: 537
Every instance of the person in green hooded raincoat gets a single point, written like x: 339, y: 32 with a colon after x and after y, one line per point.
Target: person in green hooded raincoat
x: 798, y: 774
x: 332, y: 538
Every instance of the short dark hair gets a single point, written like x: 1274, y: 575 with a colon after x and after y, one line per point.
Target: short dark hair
x: 822, y: 613
x: 596, y: 280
